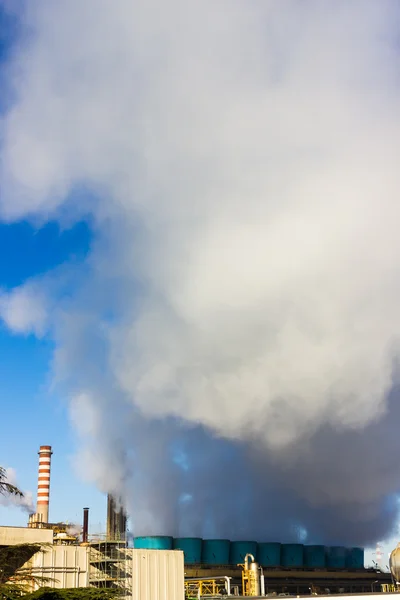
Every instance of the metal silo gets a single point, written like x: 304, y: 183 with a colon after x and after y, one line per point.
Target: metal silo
x: 191, y: 549
x: 394, y: 562
x: 355, y: 558
x: 336, y: 557
x: 215, y: 552
x: 314, y: 557
x: 153, y: 542
x: 292, y: 555
x: 239, y: 550
x: 269, y: 554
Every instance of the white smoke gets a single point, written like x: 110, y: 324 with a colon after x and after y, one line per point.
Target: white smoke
x: 74, y: 529
x: 24, y: 502
x: 239, y: 163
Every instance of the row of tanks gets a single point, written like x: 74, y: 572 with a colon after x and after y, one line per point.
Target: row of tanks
x: 267, y: 554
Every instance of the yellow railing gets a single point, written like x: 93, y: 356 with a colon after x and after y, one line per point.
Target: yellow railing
x: 202, y: 587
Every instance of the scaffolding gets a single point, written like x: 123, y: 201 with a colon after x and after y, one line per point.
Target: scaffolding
x: 110, y: 566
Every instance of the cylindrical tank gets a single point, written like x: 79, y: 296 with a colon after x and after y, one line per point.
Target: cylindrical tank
x: 336, y: 557
x: 269, y: 554
x: 153, y: 542
x: 292, y: 555
x: 239, y: 550
x: 394, y: 563
x: 254, y: 567
x: 191, y: 549
x: 215, y: 552
x: 355, y: 558
x: 314, y: 557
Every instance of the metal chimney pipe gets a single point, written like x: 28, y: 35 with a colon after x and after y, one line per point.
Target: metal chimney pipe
x: 85, y: 531
x: 43, y: 489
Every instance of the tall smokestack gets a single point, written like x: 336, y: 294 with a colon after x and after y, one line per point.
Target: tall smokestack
x: 116, y: 519
x: 43, y: 491
x: 85, y: 530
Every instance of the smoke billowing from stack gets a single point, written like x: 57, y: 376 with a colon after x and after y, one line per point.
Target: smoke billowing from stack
x: 116, y: 519
x: 43, y: 489
x: 234, y: 332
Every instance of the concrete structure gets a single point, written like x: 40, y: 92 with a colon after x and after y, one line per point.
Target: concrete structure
x: 11, y: 536
x: 158, y: 575
x: 43, y: 489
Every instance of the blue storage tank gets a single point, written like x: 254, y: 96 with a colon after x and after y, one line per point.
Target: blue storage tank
x: 269, y: 554
x: 153, y: 542
x: 355, y: 558
x: 336, y: 557
x: 239, y: 550
x: 292, y: 555
x: 314, y: 557
x: 215, y: 552
x: 191, y: 549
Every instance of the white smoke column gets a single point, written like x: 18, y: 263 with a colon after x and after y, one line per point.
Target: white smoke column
x: 24, y: 502
x: 239, y: 164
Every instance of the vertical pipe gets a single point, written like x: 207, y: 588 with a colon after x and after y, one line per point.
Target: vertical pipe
x: 262, y: 582
x: 43, y: 490
x: 85, y: 525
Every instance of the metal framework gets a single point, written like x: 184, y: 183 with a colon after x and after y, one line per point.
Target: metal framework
x: 195, y: 588
x: 110, y: 566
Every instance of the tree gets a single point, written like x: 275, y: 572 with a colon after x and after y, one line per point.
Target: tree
x: 6, y: 487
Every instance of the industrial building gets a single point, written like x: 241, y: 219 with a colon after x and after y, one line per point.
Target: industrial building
x: 161, y: 567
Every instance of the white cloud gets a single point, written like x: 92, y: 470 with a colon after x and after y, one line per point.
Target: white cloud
x: 24, y: 310
x: 244, y: 159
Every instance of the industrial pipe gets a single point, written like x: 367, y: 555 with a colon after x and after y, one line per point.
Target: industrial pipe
x: 85, y: 530
x: 262, y: 582
x: 246, y: 562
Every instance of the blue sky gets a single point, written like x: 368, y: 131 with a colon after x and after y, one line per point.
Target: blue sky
x: 35, y: 416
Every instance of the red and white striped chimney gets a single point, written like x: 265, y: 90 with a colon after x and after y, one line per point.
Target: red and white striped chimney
x: 43, y: 491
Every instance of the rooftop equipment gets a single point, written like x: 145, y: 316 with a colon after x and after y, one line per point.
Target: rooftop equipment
x: 269, y: 554
x: 239, y: 550
x: 215, y: 552
x: 153, y: 542
x: 292, y: 555
x: 191, y: 549
x: 251, y: 580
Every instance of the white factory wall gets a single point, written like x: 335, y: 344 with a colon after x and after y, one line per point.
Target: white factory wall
x: 64, y: 566
x: 11, y: 536
x: 158, y: 575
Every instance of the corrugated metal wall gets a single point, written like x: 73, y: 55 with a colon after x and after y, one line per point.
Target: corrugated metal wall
x: 158, y: 575
x: 64, y: 566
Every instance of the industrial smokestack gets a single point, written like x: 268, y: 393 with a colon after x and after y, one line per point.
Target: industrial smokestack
x: 116, y: 519
x: 43, y: 491
x: 85, y: 530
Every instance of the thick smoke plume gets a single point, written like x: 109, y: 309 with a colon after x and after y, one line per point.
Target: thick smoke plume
x: 25, y: 502
x: 231, y: 343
